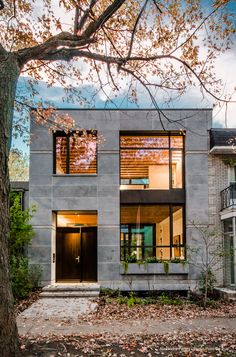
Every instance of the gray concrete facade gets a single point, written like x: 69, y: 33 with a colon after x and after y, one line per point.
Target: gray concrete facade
x: 51, y: 193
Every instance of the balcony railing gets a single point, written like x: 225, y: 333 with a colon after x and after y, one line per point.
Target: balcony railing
x: 228, y: 196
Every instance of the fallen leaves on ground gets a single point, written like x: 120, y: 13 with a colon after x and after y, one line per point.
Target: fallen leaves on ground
x: 21, y: 305
x: 181, y: 344
x: 112, y: 310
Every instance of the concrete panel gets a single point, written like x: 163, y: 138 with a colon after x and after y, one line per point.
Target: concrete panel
x: 42, y: 236
x: 74, y: 180
x: 108, y: 271
x: 43, y: 214
x: 108, y: 211
x: 108, y: 179
x: 41, y: 140
x: 110, y: 140
x: 40, y: 179
x: 75, y: 191
x: 41, y: 164
x: 108, y: 163
x: 108, y: 235
x: 108, y: 254
x: 197, y: 164
x: 40, y: 254
x: 109, y: 191
x: 40, y: 190
x: 74, y: 203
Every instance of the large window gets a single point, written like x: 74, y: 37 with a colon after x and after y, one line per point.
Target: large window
x: 75, y: 153
x: 152, y: 231
x: 151, y: 161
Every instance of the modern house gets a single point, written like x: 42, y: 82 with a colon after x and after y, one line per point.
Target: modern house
x: 119, y: 202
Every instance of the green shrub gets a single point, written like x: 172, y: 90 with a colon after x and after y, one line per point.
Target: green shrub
x: 166, y: 299
x: 211, y: 282
x: 19, y: 276
x: 35, y: 275
x: 21, y: 233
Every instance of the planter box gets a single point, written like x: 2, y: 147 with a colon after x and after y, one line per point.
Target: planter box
x: 154, y: 268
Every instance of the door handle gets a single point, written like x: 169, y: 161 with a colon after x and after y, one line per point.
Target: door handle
x: 78, y: 259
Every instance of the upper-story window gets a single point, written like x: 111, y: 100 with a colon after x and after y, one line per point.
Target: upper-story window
x: 151, y: 161
x: 75, y: 153
x: 232, y: 175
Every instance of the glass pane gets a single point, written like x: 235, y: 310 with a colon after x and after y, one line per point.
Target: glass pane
x: 144, y: 235
x: 76, y: 219
x: 83, y: 154
x: 61, y: 155
x: 163, y: 227
x: 232, y: 266
x: 147, y: 168
x: 149, y: 252
x: 163, y: 253
x: 228, y: 225
x: 144, y: 141
x: 232, y: 174
x: 178, y: 253
x: 176, y: 141
x: 177, y: 225
x: 177, y: 164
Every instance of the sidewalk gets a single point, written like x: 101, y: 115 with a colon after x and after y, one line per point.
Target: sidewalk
x: 34, y: 327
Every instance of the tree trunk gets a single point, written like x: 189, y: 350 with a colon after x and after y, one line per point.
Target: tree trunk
x: 9, y: 73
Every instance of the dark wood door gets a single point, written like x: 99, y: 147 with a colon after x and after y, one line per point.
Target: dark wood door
x: 68, y: 255
x: 89, y: 253
x: 76, y: 254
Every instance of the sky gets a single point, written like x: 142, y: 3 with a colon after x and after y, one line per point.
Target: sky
x: 225, y: 68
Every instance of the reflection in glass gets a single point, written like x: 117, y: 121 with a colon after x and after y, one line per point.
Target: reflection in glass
x: 140, y: 167
x: 145, y: 232
x: 177, y: 164
x: 83, y: 154
x: 61, y: 155
x: 145, y: 162
x: 176, y: 141
x: 76, y: 153
x: 144, y: 141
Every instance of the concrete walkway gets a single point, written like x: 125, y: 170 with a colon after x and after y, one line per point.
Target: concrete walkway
x: 34, y: 327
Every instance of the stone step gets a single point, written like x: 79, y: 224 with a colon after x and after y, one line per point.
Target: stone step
x: 68, y: 294
x: 71, y: 290
x: 227, y: 294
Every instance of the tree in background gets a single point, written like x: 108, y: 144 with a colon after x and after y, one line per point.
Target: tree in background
x: 21, y: 234
x: 207, y: 255
x: 155, y: 44
x: 18, y: 165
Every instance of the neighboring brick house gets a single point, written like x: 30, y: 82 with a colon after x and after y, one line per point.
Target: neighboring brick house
x: 132, y: 196
x: 222, y: 197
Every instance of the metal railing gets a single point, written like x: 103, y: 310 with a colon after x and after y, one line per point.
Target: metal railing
x: 228, y: 196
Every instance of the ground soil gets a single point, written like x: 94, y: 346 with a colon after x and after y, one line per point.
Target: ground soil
x: 116, y: 330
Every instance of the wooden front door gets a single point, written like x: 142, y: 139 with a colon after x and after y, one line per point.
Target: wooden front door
x: 76, y: 254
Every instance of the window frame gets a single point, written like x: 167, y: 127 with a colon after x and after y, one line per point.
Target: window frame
x: 67, y: 136
x: 168, y: 134
x: 171, y: 245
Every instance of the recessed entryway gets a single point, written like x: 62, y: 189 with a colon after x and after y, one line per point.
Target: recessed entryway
x: 76, y: 246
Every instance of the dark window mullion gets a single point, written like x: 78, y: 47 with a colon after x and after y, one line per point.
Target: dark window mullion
x: 170, y: 166
x: 68, y: 154
x: 171, y: 229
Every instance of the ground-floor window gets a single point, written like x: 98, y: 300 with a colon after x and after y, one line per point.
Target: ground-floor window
x: 152, y: 232
x: 229, y: 237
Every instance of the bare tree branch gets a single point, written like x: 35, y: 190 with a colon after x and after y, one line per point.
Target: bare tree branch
x: 103, y: 18
x: 157, y: 6
x: 86, y: 15
x: 135, y: 27
x: 63, y: 39
x: 77, y: 15
x: 198, y: 27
